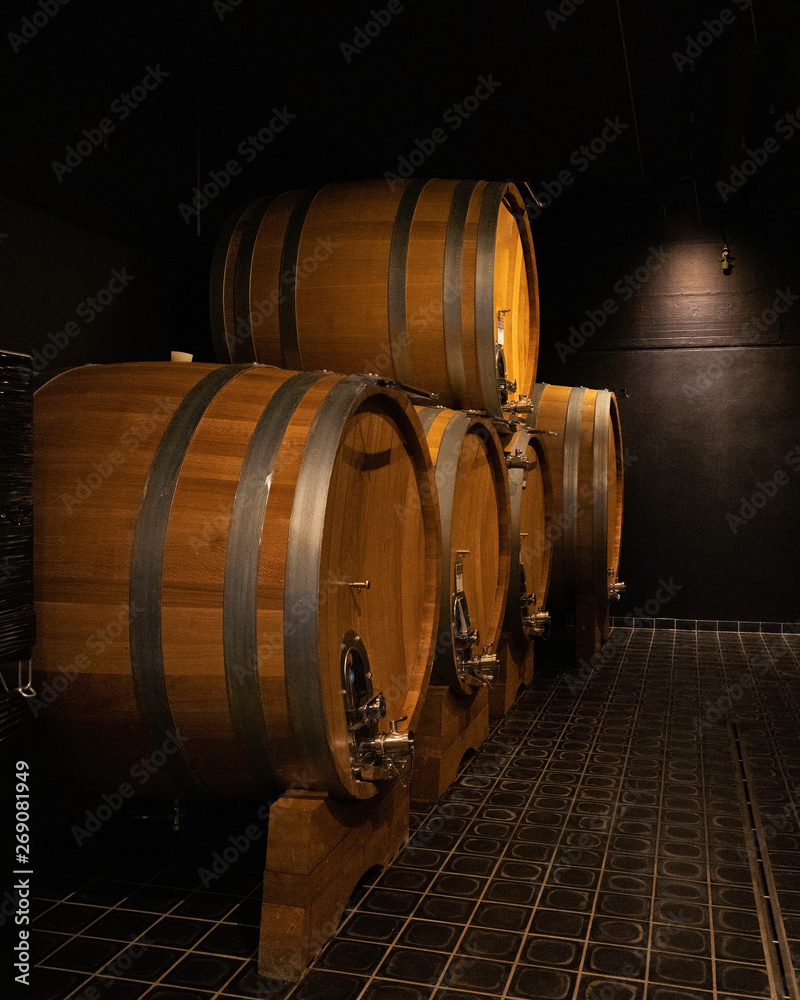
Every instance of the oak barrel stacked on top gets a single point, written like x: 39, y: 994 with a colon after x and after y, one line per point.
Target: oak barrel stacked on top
x: 204, y: 591
x: 428, y: 283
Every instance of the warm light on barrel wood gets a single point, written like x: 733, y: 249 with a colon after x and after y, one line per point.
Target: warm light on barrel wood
x: 378, y: 522
x: 531, y: 544
x: 404, y: 281
x: 473, y: 489
x: 535, y: 548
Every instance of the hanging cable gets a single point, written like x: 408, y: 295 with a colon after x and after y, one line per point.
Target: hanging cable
x: 697, y: 202
x: 630, y: 90
x: 753, y: 19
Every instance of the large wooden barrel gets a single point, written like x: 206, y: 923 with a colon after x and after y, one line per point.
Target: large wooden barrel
x: 584, y: 452
x: 531, y: 553
x: 472, y: 485
x: 224, y: 588
x: 431, y: 283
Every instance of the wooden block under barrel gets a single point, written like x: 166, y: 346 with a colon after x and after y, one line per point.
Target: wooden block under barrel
x: 514, y: 671
x: 448, y: 728
x: 317, y: 850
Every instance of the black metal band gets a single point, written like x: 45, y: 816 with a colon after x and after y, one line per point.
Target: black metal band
x: 427, y: 417
x: 396, y: 289
x: 601, y: 430
x: 445, y: 670
x: 572, y: 448
x: 287, y: 280
x: 516, y: 482
x: 547, y: 543
x: 452, y: 286
x: 245, y: 317
x: 220, y: 293
x: 240, y: 596
x: 147, y: 562
x: 619, y: 470
x: 485, y: 320
x: 520, y: 214
x: 229, y: 297
x: 302, y: 582
x: 535, y: 400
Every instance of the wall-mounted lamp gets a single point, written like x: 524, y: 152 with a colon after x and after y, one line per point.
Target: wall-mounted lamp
x: 727, y: 259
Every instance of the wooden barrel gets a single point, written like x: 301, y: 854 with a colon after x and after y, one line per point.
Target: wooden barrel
x: 584, y: 452
x: 472, y: 485
x: 431, y: 283
x: 224, y: 587
x: 531, y: 546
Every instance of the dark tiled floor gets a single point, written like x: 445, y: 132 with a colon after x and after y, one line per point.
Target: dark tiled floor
x: 595, y: 847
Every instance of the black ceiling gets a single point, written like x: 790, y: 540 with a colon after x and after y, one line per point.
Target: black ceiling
x: 558, y: 78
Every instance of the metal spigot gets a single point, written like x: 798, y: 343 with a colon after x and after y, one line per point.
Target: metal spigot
x: 392, y: 745
x: 537, y: 622
x: 517, y: 460
x: 480, y: 669
x: 616, y: 590
x: 522, y: 406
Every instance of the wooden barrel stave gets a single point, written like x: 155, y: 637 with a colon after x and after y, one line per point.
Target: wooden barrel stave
x: 201, y: 672
x: 531, y: 546
x: 584, y: 452
x: 472, y: 487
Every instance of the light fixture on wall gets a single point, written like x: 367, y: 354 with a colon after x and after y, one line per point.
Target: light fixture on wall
x: 727, y: 259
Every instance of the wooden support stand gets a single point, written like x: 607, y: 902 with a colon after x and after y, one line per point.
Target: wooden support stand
x: 317, y: 850
x: 515, y: 670
x: 448, y: 727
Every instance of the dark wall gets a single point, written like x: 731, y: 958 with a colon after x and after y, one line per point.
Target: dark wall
x: 710, y: 367
x: 624, y: 137
x: 712, y: 476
